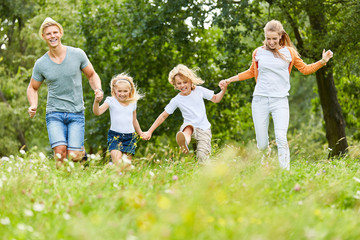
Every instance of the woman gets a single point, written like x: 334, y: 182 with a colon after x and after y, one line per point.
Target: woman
x: 271, y: 66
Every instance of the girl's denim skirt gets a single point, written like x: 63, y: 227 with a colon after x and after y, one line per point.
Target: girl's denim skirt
x: 124, y: 142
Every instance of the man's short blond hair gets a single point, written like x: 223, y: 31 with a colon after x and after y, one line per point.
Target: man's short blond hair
x: 47, y: 23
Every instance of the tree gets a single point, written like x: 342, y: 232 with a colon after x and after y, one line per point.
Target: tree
x: 147, y: 39
x: 314, y: 24
x: 325, y: 19
x: 20, y: 46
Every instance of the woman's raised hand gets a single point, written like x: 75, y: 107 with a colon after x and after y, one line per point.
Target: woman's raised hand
x: 327, y: 55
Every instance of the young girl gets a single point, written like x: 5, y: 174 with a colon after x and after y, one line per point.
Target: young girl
x: 122, y: 103
x: 190, y: 101
x: 271, y: 67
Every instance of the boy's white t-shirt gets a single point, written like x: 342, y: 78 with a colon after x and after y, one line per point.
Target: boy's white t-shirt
x: 274, y: 77
x: 121, y: 116
x: 192, y: 107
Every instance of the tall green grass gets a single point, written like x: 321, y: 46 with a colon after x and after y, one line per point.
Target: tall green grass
x: 170, y: 196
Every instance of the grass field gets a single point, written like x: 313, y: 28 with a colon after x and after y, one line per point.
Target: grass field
x: 172, y: 197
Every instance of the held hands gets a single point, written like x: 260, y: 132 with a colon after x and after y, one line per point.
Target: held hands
x: 326, y: 56
x: 99, y: 95
x: 223, y: 84
x: 146, y: 135
x: 32, y: 111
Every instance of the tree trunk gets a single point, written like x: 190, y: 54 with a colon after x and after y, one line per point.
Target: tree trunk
x: 334, y: 119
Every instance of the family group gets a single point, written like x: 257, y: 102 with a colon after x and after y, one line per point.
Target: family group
x: 62, y: 67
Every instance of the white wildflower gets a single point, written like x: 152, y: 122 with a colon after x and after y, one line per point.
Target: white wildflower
x: 131, y: 237
x: 357, y: 196
x: 169, y: 191
x: 126, y: 159
x: 5, y: 159
x: 9, y: 169
x: 42, y: 156
x: 24, y: 227
x: 38, y: 207
x: 66, y: 160
x: 22, y: 152
x: 92, y: 156
x: 68, y: 169
x: 151, y: 174
x: 72, y: 154
x: 71, y: 164
x: 58, y: 155
x: 12, y: 156
x: 5, y: 221
x: 28, y: 213
x: 66, y: 216
x: 21, y: 226
x: 20, y: 159
x: 357, y: 179
x: 1, y: 183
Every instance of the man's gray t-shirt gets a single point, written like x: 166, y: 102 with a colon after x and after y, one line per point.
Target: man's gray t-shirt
x: 65, y: 93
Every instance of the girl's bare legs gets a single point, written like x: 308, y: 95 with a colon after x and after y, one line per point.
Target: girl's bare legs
x: 116, y: 157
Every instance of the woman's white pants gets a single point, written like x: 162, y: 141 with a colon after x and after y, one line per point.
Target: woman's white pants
x: 278, y: 107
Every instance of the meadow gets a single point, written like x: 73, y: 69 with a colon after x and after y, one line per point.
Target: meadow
x: 171, y: 196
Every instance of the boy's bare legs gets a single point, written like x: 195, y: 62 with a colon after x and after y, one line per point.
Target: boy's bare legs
x: 188, y: 131
x: 183, y: 138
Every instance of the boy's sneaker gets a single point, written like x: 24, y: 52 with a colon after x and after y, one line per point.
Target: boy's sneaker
x: 180, y: 139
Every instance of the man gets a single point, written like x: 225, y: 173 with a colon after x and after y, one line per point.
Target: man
x: 61, y: 66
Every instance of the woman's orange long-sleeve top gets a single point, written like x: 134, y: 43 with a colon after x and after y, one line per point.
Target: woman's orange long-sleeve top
x: 296, y: 61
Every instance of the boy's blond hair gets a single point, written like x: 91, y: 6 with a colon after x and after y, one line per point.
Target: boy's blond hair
x: 49, y: 22
x: 124, y: 78
x: 187, y: 73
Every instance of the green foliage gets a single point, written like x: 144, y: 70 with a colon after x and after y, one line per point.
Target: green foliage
x: 148, y: 38
x: 350, y: 90
x: 125, y: 36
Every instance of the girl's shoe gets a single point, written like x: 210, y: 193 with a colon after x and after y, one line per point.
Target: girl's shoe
x: 180, y: 139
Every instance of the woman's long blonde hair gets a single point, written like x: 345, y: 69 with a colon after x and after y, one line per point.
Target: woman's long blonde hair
x: 187, y: 73
x: 125, y: 78
x: 276, y: 26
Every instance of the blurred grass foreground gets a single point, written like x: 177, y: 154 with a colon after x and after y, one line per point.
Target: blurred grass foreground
x: 172, y: 197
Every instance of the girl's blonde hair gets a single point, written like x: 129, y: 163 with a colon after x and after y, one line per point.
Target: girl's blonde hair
x: 276, y: 26
x: 186, y: 73
x: 124, y: 78
x: 47, y: 23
